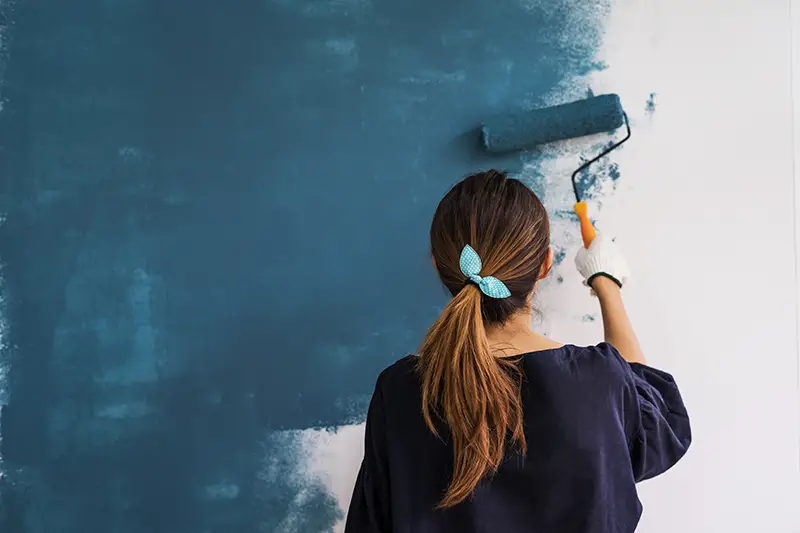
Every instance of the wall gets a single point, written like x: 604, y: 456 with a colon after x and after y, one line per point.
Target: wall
x: 214, y: 237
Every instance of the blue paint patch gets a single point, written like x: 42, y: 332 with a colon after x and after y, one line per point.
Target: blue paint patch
x: 202, y: 229
x: 613, y: 172
x: 587, y: 183
x: 279, y: 481
x: 532, y: 175
x: 560, y: 255
x: 650, y: 106
x: 599, y: 66
x: 592, y: 180
x: 564, y: 214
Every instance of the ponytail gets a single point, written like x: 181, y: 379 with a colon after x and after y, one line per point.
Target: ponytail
x: 476, y: 394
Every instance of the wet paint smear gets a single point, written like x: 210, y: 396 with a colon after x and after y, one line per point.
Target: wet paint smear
x: 212, y: 240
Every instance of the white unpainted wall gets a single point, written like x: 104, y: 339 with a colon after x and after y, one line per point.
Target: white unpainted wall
x: 706, y: 211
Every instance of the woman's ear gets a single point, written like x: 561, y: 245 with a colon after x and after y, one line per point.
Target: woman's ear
x: 547, y: 265
x: 433, y: 262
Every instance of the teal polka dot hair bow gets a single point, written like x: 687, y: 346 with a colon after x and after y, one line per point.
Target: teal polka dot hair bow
x: 471, y: 265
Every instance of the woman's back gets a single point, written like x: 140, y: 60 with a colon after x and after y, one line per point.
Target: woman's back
x: 468, y: 437
x: 594, y: 426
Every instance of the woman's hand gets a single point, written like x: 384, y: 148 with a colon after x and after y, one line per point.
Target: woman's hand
x: 605, y: 270
x: 602, y: 259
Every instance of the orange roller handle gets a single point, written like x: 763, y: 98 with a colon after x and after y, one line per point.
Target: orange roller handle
x: 587, y: 230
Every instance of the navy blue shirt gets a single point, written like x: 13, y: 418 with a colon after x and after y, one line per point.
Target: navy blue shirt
x: 595, y: 426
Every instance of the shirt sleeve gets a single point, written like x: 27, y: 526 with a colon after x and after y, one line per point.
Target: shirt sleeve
x: 655, y: 419
x: 370, y: 510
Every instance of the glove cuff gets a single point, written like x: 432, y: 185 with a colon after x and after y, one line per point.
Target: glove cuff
x: 603, y: 274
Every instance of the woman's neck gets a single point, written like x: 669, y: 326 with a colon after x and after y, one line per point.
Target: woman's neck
x: 516, y: 336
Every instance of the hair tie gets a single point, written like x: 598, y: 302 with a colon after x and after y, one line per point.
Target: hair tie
x: 471, y: 265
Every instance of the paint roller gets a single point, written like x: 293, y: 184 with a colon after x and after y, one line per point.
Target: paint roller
x: 521, y: 131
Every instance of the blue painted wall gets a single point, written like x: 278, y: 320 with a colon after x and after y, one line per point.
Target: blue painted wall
x: 215, y: 227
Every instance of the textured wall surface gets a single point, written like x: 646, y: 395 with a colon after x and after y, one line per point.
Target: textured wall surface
x: 214, y: 232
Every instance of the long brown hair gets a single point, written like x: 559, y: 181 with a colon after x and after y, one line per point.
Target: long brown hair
x: 474, y: 392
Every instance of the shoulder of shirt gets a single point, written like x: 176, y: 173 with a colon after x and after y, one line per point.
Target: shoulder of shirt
x: 597, y: 352
x: 398, y: 370
x: 602, y: 358
x: 605, y: 357
x: 605, y: 352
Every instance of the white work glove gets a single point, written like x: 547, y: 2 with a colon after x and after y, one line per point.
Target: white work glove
x: 602, y: 258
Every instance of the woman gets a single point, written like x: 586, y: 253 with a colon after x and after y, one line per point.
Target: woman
x: 495, y: 428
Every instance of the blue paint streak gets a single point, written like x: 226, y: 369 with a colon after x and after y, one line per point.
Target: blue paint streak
x: 211, y: 237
